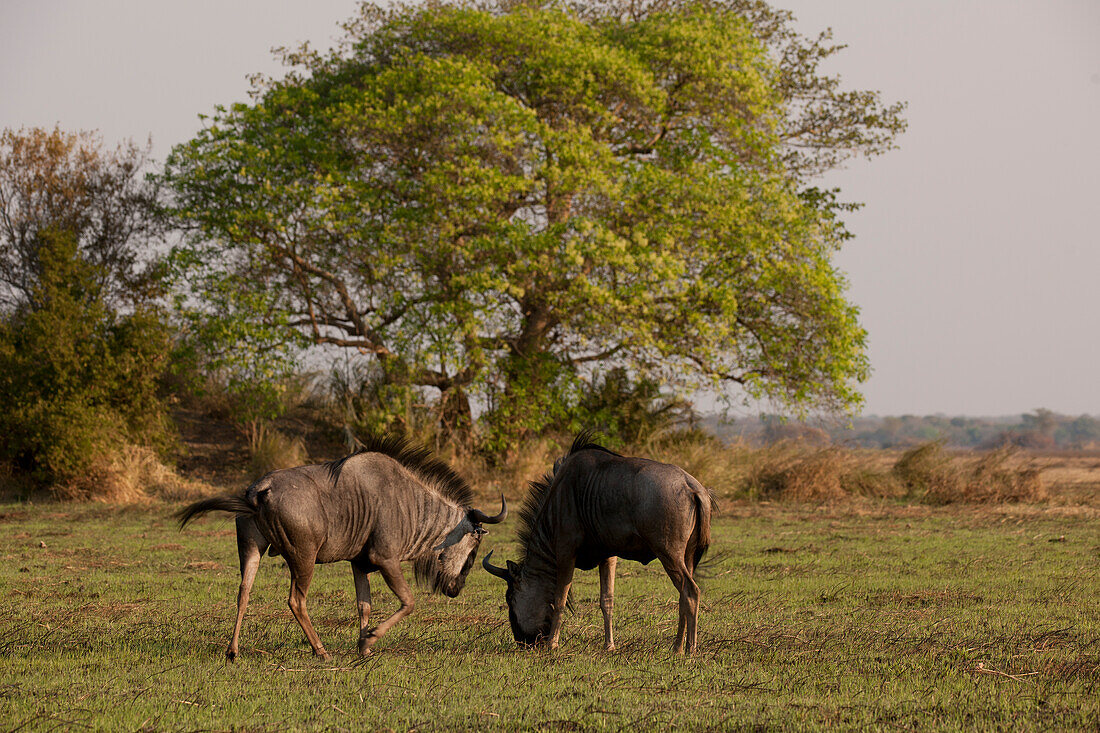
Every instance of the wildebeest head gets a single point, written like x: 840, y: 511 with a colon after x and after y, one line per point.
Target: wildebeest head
x: 452, y: 558
x: 529, y: 602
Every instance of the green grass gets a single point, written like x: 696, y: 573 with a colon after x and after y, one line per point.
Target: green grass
x: 876, y: 616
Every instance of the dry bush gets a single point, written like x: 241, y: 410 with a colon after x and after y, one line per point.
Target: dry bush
x: 792, y: 474
x: 862, y: 479
x: 800, y: 472
x: 933, y: 476
x: 720, y: 467
x: 785, y: 470
x: 270, y: 449
x: 996, y: 480
x: 133, y: 474
x: 511, y: 474
x: 927, y: 470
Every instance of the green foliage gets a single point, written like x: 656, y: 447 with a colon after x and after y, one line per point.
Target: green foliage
x: 497, y: 199
x: 82, y: 343
x: 77, y: 381
x: 236, y: 344
x: 535, y: 394
x: 362, y: 401
x: 628, y: 411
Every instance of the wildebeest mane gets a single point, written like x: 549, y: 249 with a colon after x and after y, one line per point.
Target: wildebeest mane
x: 529, y: 531
x: 429, y: 469
x: 533, y: 535
x: 584, y: 441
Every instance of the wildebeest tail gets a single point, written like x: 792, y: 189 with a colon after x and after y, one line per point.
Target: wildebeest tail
x: 704, y: 503
x: 239, y: 504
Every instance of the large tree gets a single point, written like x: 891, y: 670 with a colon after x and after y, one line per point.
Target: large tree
x: 502, y: 198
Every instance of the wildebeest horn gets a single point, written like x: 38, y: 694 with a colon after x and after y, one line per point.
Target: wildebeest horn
x: 480, y: 517
x: 494, y: 570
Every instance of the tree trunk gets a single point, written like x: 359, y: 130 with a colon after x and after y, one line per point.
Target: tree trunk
x: 455, y: 418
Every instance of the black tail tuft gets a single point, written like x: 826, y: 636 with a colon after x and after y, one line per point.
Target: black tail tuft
x: 704, y: 504
x: 233, y: 504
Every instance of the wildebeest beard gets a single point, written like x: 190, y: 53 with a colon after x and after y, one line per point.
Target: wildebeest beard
x: 430, y: 573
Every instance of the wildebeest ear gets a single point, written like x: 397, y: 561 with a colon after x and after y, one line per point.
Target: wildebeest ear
x: 513, y: 568
x: 463, y: 528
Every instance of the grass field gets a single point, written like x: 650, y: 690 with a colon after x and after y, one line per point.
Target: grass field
x: 863, y: 616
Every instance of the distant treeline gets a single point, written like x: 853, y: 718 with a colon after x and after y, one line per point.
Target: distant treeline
x: 1038, y: 430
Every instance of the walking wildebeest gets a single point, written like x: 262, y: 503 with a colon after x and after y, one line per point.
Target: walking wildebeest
x: 385, y: 504
x: 597, y: 506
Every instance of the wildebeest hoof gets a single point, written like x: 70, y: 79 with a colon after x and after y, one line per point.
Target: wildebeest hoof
x: 366, y: 642
x: 323, y: 655
x: 230, y: 655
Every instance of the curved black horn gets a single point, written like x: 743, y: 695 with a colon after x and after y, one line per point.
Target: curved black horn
x: 494, y: 570
x: 479, y: 517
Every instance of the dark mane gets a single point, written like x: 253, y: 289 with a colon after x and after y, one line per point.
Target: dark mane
x: 527, y: 529
x: 420, y: 461
x: 530, y: 534
x: 583, y: 441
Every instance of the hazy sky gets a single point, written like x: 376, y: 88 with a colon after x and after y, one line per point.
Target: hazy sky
x: 976, y: 261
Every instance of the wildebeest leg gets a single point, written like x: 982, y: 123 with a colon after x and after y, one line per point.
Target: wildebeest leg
x: 362, y: 601
x: 391, y: 573
x: 689, y: 600
x: 561, y: 598
x: 607, y: 598
x: 301, y: 573
x: 251, y: 546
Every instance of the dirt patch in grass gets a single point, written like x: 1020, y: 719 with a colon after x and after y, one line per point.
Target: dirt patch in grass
x: 203, y: 565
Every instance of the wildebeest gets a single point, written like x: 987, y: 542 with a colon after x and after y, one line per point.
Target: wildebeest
x: 385, y: 504
x: 597, y: 506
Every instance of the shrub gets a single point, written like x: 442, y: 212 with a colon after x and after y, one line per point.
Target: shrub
x: 359, y: 399
x: 130, y: 474
x: 927, y: 470
x: 718, y: 466
x: 78, y: 382
x: 934, y: 477
x: 627, y: 410
x: 271, y: 449
x: 793, y: 475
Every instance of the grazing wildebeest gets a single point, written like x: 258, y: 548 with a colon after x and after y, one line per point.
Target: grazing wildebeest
x: 597, y: 506
x: 385, y: 504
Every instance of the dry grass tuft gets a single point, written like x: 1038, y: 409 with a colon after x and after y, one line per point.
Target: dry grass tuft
x: 927, y: 470
x: 933, y: 476
x: 793, y: 475
x: 270, y: 449
x: 511, y: 474
x: 863, y: 479
x: 720, y: 467
x: 132, y: 475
